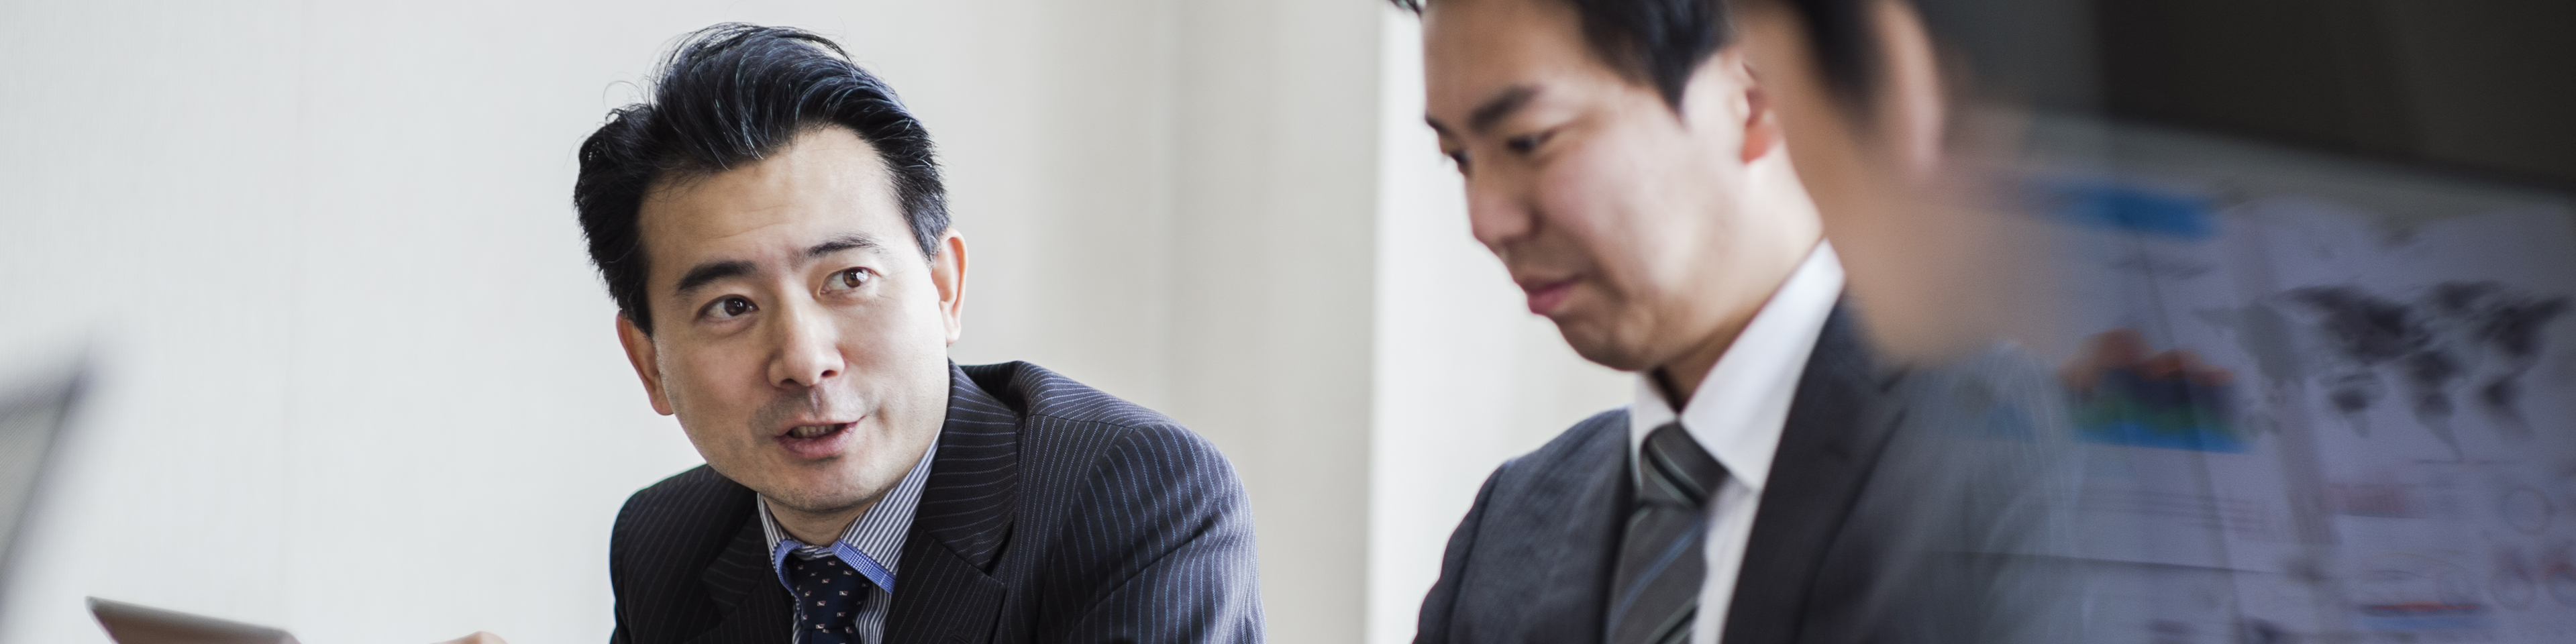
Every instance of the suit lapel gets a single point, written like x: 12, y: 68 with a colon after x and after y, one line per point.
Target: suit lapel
x: 944, y: 590
x: 1599, y: 487
x: 742, y: 566
x: 1827, y: 447
x: 745, y: 590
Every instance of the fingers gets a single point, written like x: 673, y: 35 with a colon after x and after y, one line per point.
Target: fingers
x: 479, y: 637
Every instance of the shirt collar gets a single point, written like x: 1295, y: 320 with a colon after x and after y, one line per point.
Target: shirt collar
x: 1737, y: 411
x: 873, y: 544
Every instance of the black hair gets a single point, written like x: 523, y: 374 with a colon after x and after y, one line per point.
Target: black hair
x: 1662, y: 42
x: 730, y: 95
x: 1846, y: 48
x: 1656, y: 42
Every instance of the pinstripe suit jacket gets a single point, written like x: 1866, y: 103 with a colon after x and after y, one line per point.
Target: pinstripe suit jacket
x: 1053, y: 513
x: 1894, y: 514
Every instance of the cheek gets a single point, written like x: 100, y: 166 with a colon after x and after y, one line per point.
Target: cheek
x: 902, y: 326
x: 698, y: 375
x: 1571, y: 193
x: 1584, y: 193
x: 713, y: 391
x: 1596, y: 201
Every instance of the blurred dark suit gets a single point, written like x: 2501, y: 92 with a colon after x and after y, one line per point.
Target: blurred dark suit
x: 1901, y: 507
x: 1053, y: 513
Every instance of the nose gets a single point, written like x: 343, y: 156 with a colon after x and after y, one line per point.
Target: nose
x: 808, y: 348
x: 1498, y: 212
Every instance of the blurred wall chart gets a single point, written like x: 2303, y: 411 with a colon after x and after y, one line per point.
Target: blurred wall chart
x: 2382, y: 452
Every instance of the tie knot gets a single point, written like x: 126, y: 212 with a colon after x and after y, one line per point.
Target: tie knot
x: 1675, y: 466
x: 828, y: 591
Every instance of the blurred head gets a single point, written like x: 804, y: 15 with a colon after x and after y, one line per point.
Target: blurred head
x: 1622, y: 162
x: 1900, y: 173
x: 771, y: 226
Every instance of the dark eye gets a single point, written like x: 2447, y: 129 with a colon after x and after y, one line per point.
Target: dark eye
x: 1525, y: 143
x: 849, y: 279
x: 729, y: 307
x: 1459, y: 157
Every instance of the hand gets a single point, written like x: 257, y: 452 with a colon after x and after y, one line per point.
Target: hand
x: 479, y: 637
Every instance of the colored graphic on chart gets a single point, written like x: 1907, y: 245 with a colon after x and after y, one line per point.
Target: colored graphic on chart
x: 2400, y: 375
x: 2129, y: 408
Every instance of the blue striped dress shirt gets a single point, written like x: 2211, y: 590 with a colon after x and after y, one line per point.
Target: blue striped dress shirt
x: 873, y: 545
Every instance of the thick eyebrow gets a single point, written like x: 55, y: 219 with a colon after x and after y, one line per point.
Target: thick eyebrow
x: 1512, y: 99
x: 842, y: 243
x: 708, y: 273
x: 1483, y: 118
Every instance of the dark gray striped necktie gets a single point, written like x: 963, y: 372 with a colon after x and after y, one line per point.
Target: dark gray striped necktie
x: 1654, y: 596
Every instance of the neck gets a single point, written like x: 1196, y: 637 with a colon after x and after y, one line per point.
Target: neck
x: 1679, y: 378
x: 817, y: 528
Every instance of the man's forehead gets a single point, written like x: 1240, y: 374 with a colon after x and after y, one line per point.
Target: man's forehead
x: 1481, y: 52
x: 821, y: 187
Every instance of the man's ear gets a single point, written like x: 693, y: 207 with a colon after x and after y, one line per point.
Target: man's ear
x: 641, y: 353
x: 1761, y: 124
x: 948, y: 272
x: 1725, y: 89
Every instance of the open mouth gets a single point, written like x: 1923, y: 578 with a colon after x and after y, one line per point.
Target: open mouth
x: 816, y: 441
x: 815, y: 431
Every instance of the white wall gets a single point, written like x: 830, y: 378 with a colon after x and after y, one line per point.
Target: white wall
x: 358, y: 378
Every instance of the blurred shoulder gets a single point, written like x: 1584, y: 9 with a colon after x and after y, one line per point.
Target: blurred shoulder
x: 2002, y: 392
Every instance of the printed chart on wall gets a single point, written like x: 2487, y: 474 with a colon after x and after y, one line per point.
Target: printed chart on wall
x: 2373, y: 435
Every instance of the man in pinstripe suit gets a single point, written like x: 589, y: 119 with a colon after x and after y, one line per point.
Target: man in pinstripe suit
x: 772, y: 229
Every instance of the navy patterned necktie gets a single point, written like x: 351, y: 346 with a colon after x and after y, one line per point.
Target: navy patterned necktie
x: 827, y: 599
x: 1654, y: 595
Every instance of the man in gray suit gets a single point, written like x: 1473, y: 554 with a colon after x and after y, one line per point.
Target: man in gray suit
x: 1782, y: 476
x: 772, y: 227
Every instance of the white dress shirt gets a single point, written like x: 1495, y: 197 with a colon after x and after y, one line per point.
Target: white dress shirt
x: 1736, y: 414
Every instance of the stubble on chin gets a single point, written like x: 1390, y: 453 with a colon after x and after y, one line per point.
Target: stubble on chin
x: 1605, y: 337
x: 749, y: 456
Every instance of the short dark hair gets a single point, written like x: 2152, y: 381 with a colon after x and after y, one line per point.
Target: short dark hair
x: 1656, y: 42
x: 1663, y: 41
x: 730, y: 95
x: 1839, y: 33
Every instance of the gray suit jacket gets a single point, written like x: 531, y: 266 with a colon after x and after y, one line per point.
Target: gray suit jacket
x: 1053, y: 513
x: 1902, y: 507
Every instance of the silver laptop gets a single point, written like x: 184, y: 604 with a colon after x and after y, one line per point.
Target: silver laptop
x: 32, y: 421
x: 138, y: 624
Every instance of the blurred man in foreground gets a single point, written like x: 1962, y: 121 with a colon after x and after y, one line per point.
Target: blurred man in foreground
x: 1782, y: 476
x: 772, y: 228
x: 1902, y: 166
